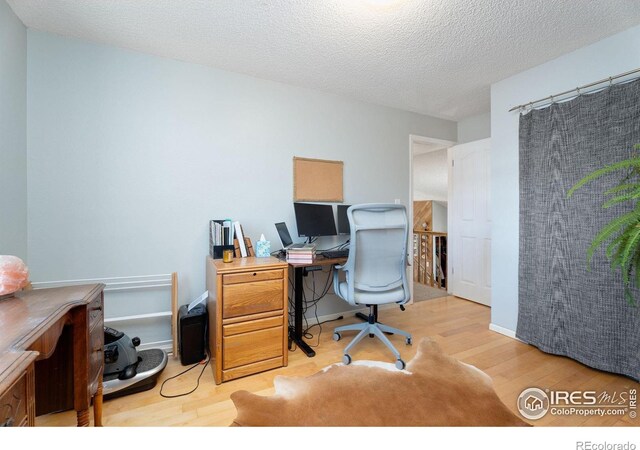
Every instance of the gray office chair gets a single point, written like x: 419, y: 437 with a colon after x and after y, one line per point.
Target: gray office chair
x: 376, y: 270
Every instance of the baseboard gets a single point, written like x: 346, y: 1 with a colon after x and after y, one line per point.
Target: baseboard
x: 163, y: 345
x: 504, y: 331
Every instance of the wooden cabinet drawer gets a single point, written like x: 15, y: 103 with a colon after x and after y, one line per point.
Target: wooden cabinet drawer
x: 247, y: 277
x: 13, y: 404
x: 251, y: 298
x: 251, y: 325
x: 251, y: 347
x: 94, y: 309
x: 250, y: 369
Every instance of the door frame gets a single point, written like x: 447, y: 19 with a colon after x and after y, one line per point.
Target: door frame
x: 416, y: 139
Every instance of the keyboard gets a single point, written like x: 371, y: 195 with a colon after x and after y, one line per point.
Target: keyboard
x: 336, y: 253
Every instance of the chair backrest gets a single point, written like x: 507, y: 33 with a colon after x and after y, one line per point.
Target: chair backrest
x: 378, y: 247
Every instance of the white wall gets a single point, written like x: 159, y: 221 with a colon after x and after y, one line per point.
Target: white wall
x: 616, y: 54
x: 130, y: 155
x: 13, y: 134
x: 474, y: 128
x: 430, y: 175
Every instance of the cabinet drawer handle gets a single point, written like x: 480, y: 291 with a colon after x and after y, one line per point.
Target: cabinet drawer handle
x: 97, y: 308
x: 254, y: 274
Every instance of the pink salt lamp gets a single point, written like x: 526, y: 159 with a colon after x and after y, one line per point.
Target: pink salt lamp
x: 14, y: 274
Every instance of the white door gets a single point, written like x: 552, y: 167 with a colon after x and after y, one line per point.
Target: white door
x: 469, y: 243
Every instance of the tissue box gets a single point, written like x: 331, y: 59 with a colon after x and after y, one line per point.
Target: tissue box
x: 263, y: 249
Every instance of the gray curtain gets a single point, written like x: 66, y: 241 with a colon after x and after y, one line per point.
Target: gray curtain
x: 564, y: 308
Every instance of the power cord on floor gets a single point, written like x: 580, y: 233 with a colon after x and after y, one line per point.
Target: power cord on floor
x: 308, y: 335
x: 182, y: 373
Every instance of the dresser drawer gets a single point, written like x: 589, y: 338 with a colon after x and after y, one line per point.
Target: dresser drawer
x: 251, y: 298
x: 94, y: 309
x: 13, y: 404
x: 251, y: 325
x: 250, y: 369
x: 252, y: 347
x: 248, y: 277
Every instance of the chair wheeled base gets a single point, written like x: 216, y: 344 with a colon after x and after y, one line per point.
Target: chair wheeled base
x: 371, y: 327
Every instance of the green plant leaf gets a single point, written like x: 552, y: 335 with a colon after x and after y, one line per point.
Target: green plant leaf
x: 631, y: 247
x: 621, y: 187
x: 618, y: 240
x: 627, y: 163
x: 637, y: 267
x: 622, y: 198
x: 629, y: 296
x: 636, y: 263
x: 609, y: 229
x: 616, y: 260
x: 623, y: 232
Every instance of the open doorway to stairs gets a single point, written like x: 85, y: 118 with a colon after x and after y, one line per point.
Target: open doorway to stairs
x: 429, y: 217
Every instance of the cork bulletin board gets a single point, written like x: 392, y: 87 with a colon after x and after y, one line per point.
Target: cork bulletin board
x: 317, y: 180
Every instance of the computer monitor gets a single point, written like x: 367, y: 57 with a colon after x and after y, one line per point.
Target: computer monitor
x: 314, y: 219
x: 343, y: 220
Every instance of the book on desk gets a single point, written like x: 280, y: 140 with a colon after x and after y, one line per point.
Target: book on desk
x: 301, y: 255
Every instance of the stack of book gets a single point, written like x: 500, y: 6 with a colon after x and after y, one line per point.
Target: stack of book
x: 221, y: 237
x: 220, y: 233
x: 304, y: 254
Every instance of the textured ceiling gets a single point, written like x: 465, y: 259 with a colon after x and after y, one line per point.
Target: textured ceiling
x: 436, y: 57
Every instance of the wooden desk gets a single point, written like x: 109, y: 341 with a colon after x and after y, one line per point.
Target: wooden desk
x: 51, y: 353
x: 298, y: 291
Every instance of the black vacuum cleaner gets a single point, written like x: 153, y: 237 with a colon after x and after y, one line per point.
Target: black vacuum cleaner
x: 127, y: 370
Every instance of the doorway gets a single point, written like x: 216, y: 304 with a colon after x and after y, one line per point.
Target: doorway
x: 450, y: 214
x: 429, y: 217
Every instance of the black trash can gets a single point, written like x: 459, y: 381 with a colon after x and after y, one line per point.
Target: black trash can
x: 192, y: 334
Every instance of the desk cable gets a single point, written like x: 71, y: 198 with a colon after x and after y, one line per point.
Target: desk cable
x: 204, y: 366
x: 314, y: 303
x: 306, y: 304
x: 206, y: 363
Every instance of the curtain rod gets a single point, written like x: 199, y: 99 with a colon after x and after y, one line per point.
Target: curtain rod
x: 551, y: 97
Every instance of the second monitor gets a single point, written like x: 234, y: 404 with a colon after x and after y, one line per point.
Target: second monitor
x: 343, y: 220
x: 314, y: 219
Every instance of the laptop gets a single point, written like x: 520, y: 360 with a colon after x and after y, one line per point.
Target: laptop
x: 285, y: 237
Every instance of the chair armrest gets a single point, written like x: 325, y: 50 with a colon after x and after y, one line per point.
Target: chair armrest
x: 336, y: 283
x: 336, y: 280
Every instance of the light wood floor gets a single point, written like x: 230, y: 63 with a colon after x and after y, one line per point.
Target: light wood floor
x: 460, y: 327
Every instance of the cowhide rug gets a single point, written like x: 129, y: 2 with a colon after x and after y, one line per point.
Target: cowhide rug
x: 433, y: 390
